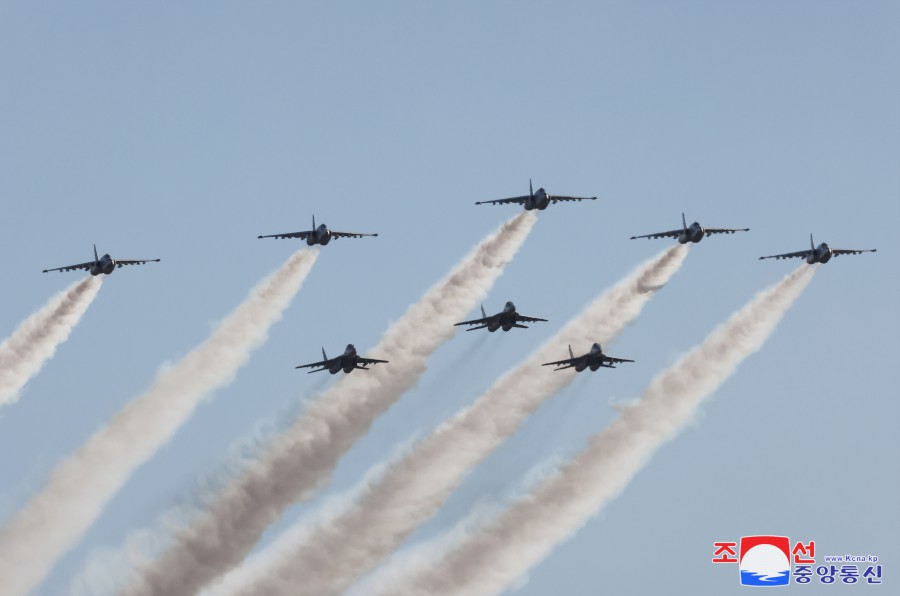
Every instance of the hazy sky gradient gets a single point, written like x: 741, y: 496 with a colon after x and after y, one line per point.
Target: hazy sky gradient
x: 183, y: 132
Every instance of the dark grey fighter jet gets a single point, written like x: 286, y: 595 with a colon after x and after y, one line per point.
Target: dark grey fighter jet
x: 593, y: 360
x: 818, y: 254
x: 505, y: 319
x: 348, y: 362
x: 318, y: 235
x: 536, y: 200
x: 694, y: 233
x: 105, y: 264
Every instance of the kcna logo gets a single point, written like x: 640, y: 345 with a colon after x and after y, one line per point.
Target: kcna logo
x: 765, y: 561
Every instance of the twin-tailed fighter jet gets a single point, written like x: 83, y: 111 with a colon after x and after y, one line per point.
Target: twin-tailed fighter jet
x: 693, y: 233
x: 535, y: 200
x: 592, y: 360
x: 318, y: 235
x: 506, y: 319
x: 347, y: 362
x: 105, y: 264
x: 818, y: 254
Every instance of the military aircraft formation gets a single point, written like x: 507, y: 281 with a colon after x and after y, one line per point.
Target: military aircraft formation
x: 507, y: 318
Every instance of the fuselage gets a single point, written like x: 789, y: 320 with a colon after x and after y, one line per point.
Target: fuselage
x: 820, y: 254
x: 538, y: 200
x: 592, y: 360
x: 104, y: 264
x: 320, y: 235
x: 346, y: 361
x: 693, y: 233
x: 505, y: 319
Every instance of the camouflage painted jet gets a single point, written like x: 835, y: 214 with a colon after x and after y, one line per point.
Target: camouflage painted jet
x: 593, y: 360
x: 536, y: 200
x: 818, y: 254
x: 693, y: 233
x: 105, y: 264
x: 348, y: 362
x: 318, y: 235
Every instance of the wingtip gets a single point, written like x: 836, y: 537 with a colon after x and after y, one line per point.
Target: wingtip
x: 374, y: 234
x: 633, y: 238
x: 45, y: 271
x: 258, y: 237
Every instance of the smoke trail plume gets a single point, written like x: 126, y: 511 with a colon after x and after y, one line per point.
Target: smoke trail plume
x: 494, y: 555
x: 329, y: 557
x: 81, y: 485
x: 24, y: 352
x: 300, y: 459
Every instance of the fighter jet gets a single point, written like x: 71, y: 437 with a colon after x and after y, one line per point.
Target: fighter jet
x: 348, y: 362
x: 506, y: 318
x: 536, y: 200
x: 694, y: 233
x: 104, y: 264
x: 593, y: 360
x: 318, y: 235
x: 818, y: 254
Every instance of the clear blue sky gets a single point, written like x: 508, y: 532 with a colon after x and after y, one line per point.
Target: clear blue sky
x: 183, y: 132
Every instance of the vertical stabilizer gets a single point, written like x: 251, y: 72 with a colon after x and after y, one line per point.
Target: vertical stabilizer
x: 530, y: 188
x: 812, y: 245
x: 571, y: 355
x: 683, y: 222
x: 96, y: 258
x: 314, y: 222
x: 483, y: 314
x: 324, y: 357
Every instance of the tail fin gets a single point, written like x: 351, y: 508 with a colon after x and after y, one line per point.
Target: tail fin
x: 683, y: 222
x: 483, y: 314
x: 314, y: 222
x: 96, y: 258
x: 571, y: 355
x: 324, y: 357
x: 812, y: 245
x: 530, y: 188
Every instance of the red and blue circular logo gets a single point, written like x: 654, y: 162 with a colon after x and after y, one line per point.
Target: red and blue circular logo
x: 765, y: 560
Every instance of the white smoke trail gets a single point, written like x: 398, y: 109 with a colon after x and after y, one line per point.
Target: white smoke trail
x: 340, y: 548
x: 80, y: 486
x: 493, y: 556
x: 300, y: 459
x: 24, y: 352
